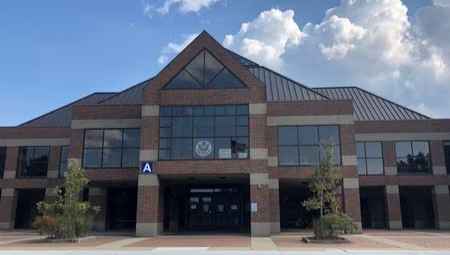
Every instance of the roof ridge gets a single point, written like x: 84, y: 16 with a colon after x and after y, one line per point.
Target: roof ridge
x: 295, y: 82
x: 66, y: 105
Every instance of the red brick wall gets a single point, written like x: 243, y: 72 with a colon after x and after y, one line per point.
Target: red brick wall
x: 405, y: 180
x: 411, y: 126
x: 148, y: 201
x: 33, y: 132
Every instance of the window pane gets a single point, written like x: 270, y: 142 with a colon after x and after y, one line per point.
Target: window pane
x: 41, y: 153
x: 308, y: 135
x: 131, y: 138
x: 287, y: 136
x: 196, y: 68
x: 225, y: 80
x: 242, y: 131
x: 374, y: 166
x: 113, y: 138
x: 240, y: 147
x: 288, y: 155
x: 183, y: 80
x: 309, y: 155
x: 329, y: 132
x: 164, y: 143
x: 362, y: 166
x: 111, y: 157
x: 403, y: 149
x: 204, y: 126
x: 62, y: 168
x: 181, y: 148
x: 164, y: 154
x: 212, y: 67
x: 93, y: 138
x: 337, y: 155
x: 223, y: 144
x: 360, y: 150
x: 230, y: 110
x: 198, y: 110
x: 242, y: 110
x: 92, y: 157
x: 420, y: 148
x: 165, y: 132
x: 405, y: 164
x: 165, y: 110
x: 182, y: 126
x: 64, y: 153
x: 422, y: 164
x: 130, y: 158
x: 165, y: 121
x: 209, y: 111
x: 373, y: 150
x: 225, y: 126
x: 242, y: 121
x: 219, y: 110
x: 204, y: 148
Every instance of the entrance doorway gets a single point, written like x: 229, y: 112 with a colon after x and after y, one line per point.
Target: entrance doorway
x: 292, y: 213
x: 373, y: 207
x: 121, y: 209
x: 417, y: 207
x: 205, y: 208
x: 26, y: 207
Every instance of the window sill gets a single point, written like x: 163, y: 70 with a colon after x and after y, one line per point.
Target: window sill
x: 32, y: 177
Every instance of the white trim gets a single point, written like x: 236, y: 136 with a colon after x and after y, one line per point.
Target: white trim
x: 150, y: 110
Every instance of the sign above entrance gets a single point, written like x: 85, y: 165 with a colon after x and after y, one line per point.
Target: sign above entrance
x: 147, y: 167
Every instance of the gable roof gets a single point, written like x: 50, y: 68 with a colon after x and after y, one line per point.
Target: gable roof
x: 62, y: 117
x: 370, y: 107
x: 132, y: 95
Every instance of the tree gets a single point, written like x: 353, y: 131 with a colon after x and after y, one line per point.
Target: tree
x: 67, y: 217
x: 326, y: 177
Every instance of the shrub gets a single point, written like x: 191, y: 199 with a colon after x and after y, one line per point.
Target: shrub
x: 332, y: 225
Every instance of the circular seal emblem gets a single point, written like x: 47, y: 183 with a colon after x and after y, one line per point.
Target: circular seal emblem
x: 203, y: 148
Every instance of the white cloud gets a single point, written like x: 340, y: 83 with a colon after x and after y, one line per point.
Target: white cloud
x: 184, y: 6
x: 372, y: 44
x: 173, y: 48
x: 267, y: 37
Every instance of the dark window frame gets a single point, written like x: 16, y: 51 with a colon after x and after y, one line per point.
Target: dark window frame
x: 365, y: 158
x: 204, y: 85
x: 63, y: 160
x: 414, y: 172
x: 102, y: 148
x: 316, y: 145
x: 446, y: 145
x: 3, y: 153
x: 19, y: 174
x: 213, y: 136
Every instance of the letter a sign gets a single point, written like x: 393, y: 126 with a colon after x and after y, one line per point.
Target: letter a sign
x: 147, y: 168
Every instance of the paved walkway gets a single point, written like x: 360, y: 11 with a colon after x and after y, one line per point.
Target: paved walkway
x: 386, y: 241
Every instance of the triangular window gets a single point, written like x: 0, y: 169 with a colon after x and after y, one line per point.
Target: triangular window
x: 204, y: 71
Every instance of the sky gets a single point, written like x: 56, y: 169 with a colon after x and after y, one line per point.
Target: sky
x: 53, y: 52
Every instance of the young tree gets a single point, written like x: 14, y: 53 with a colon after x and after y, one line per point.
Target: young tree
x: 67, y: 216
x: 325, y: 178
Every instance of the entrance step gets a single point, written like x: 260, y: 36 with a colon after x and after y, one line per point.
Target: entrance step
x: 263, y: 244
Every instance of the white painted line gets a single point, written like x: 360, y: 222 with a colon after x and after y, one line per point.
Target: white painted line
x: 181, y: 249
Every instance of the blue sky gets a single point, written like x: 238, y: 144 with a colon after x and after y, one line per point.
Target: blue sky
x: 53, y: 52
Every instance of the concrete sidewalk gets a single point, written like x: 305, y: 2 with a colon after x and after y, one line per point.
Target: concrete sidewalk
x: 386, y: 241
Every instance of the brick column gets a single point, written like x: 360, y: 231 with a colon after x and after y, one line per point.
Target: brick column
x: 53, y: 163
x: 274, y: 206
x: 389, y: 161
x: 149, y: 220
x: 98, y: 196
x: 351, y: 201
x: 259, y: 204
x: 394, y: 211
x: 8, y: 208
x: 441, y: 207
x: 12, y: 154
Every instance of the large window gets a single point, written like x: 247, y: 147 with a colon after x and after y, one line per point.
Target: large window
x: 370, y: 157
x: 2, y: 161
x: 33, y: 162
x: 111, y: 148
x: 304, y: 145
x: 63, y: 160
x: 204, y: 132
x: 413, y: 157
x: 447, y: 155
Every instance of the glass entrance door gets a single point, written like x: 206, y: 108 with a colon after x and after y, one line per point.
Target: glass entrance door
x: 214, y: 209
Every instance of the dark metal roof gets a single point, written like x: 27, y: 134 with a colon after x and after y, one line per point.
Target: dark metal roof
x: 242, y: 60
x: 132, y: 95
x: 368, y: 106
x: 62, y: 117
x: 281, y: 88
